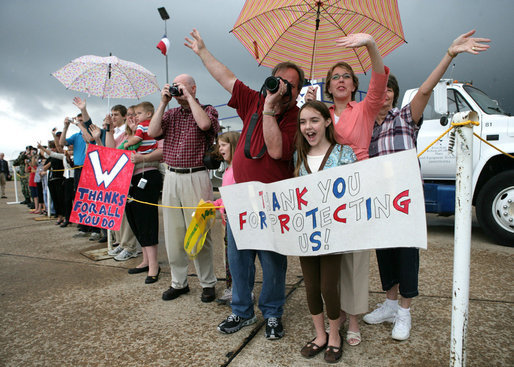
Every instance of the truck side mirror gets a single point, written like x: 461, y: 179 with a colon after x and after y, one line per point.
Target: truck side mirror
x: 440, y: 98
x: 443, y: 120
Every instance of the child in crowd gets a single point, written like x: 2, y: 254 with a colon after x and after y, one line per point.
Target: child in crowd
x: 31, y: 169
x: 316, y: 149
x: 144, y: 112
x: 226, y: 146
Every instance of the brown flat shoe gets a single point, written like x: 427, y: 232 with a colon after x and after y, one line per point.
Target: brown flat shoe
x: 334, y: 354
x: 311, y: 349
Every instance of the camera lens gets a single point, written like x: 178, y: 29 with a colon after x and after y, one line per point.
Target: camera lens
x: 272, y: 83
x: 175, y: 91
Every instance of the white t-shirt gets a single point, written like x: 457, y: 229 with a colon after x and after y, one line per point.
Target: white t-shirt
x: 314, y: 161
x: 118, y: 131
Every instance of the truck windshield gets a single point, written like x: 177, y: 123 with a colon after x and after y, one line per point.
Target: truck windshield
x: 487, y: 105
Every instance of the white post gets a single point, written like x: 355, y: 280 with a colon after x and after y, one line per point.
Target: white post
x: 462, y: 246
x: 49, y: 199
x: 15, y: 174
x: 109, y: 241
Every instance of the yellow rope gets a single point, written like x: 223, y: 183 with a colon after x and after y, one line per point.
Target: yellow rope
x: 59, y: 170
x: 469, y: 122
x: 435, y: 141
x: 168, y: 206
x: 453, y: 124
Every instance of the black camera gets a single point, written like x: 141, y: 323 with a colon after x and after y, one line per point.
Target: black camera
x: 175, y: 90
x: 273, y: 82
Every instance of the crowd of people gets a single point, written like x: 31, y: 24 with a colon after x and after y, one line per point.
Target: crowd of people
x: 278, y: 141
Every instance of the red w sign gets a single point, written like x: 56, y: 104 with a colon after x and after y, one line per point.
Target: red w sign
x: 102, y: 192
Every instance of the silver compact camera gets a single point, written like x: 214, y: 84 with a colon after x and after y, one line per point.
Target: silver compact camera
x: 142, y: 183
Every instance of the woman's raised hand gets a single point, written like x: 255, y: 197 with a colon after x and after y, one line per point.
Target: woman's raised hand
x: 355, y: 40
x: 466, y: 43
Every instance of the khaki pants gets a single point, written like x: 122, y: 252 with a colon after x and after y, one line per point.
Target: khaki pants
x: 2, y: 183
x: 354, y: 282
x: 186, y: 190
x: 125, y: 237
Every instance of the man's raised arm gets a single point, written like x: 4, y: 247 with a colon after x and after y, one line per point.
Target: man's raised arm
x: 220, y: 72
x: 62, y: 139
x: 81, y: 105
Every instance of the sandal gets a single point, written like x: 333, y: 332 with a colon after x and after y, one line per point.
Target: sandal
x: 312, y: 349
x: 334, y: 354
x: 355, y: 336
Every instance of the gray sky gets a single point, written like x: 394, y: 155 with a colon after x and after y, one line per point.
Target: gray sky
x: 39, y: 37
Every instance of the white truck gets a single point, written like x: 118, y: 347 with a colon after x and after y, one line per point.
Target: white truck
x: 493, y: 172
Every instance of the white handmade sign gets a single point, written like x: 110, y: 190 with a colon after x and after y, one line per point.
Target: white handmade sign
x: 376, y: 203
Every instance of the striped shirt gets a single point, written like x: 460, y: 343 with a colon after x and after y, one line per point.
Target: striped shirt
x: 148, y: 144
x: 398, y: 132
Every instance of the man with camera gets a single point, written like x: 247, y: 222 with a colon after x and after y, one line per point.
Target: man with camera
x: 188, y: 130
x: 264, y: 153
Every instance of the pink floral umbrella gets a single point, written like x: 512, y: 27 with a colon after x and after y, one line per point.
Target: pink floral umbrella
x: 107, y: 77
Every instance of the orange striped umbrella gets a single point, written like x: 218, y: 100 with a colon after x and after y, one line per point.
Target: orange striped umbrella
x: 304, y: 31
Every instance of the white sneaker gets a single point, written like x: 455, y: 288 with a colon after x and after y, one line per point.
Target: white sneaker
x: 402, y: 324
x: 125, y: 255
x: 95, y: 236
x: 384, y: 313
x: 80, y: 234
x: 226, y: 298
x: 227, y: 295
x: 115, y: 251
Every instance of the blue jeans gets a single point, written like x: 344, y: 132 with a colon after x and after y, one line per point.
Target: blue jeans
x: 242, y: 267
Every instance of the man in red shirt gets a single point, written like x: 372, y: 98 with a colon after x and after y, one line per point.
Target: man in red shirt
x: 263, y: 153
x: 187, y: 130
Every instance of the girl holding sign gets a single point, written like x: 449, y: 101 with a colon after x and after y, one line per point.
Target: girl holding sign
x: 316, y: 149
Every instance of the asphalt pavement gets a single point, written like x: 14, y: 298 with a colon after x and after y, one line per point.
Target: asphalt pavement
x: 60, y: 308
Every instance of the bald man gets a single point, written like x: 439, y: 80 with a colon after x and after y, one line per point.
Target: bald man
x: 187, y: 131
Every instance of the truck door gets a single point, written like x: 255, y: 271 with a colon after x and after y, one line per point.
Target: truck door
x: 438, y: 163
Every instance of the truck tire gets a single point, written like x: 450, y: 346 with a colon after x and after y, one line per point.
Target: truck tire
x: 495, y: 208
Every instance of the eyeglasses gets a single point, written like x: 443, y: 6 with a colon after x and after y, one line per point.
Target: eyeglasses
x: 344, y: 76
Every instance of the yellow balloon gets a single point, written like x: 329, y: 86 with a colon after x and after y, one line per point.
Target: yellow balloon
x: 203, y: 219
